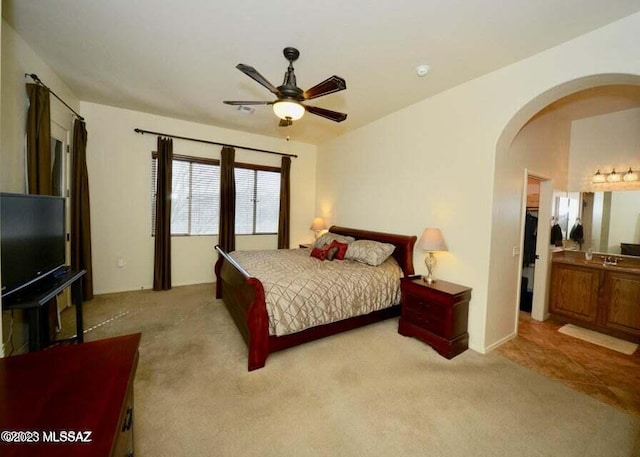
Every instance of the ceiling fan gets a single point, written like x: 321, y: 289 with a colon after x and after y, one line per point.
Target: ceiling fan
x: 288, y: 106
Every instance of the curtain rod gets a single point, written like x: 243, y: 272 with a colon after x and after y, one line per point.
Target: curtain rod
x: 39, y: 81
x: 142, y: 132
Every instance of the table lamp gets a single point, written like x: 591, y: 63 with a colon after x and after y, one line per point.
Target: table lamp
x: 431, y: 241
x: 318, y: 225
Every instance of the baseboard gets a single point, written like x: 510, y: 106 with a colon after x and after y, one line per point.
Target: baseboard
x: 499, y: 343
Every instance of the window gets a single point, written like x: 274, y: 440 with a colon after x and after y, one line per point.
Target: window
x: 195, y: 199
x: 257, y: 201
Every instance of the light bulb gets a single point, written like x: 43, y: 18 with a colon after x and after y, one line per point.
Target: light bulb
x: 614, y: 177
x: 630, y: 176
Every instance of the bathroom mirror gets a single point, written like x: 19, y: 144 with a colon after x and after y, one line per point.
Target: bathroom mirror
x: 609, y: 219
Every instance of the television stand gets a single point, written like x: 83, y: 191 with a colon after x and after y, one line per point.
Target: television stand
x: 33, y: 301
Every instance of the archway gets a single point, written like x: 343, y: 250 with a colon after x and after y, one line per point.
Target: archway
x: 509, y: 185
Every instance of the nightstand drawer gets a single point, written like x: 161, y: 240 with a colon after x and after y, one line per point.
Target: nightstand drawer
x: 423, y: 317
x: 430, y: 294
x: 421, y: 305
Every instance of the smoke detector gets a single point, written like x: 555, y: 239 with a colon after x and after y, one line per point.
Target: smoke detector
x: 422, y: 70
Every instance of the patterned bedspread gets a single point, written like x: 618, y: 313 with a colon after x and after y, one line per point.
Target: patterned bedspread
x: 303, y: 292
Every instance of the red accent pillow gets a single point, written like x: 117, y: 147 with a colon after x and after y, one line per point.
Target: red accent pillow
x: 319, y: 253
x: 342, y: 249
x: 327, y: 252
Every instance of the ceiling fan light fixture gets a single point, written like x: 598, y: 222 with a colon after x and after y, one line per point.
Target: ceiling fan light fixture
x: 288, y: 109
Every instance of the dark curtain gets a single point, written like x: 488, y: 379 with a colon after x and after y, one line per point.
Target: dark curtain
x: 227, y: 232
x: 162, y: 256
x: 38, y: 141
x: 285, y: 204
x: 80, y: 212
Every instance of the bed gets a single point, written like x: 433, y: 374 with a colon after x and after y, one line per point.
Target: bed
x: 244, y: 294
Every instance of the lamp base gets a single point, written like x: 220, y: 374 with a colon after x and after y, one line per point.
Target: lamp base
x: 430, y: 262
x: 429, y: 279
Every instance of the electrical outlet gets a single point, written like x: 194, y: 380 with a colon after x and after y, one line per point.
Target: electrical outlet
x: 516, y: 251
x: 120, y: 262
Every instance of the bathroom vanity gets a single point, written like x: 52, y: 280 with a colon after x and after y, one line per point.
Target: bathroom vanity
x: 601, y: 294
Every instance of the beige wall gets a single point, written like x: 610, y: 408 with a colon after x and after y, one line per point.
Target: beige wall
x: 119, y: 165
x: 19, y: 58
x: 434, y: 164
x: 604, y: 142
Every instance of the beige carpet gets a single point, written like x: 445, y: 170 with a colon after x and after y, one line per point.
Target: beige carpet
x: 600, y: 339
x: 368, y: 392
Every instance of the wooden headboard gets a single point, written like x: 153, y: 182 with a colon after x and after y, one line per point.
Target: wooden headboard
x: 403, y: 252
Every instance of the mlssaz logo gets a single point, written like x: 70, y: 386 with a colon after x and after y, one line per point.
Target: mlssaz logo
x: 66, y: 436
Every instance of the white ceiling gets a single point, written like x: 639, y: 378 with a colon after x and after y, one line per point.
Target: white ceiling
x: 178, y: 58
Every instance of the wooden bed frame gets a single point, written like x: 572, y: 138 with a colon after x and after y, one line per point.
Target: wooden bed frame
x: 244, y: 297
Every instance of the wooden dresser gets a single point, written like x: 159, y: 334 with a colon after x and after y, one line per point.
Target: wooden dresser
x: 74, y: 400
x: 437, y: 314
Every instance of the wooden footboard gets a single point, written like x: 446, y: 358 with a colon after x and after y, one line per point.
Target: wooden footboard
x: 244, y: 297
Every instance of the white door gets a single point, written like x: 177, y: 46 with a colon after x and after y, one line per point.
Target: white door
x: 540, y: 302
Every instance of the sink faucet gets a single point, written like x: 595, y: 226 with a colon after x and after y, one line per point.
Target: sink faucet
x: 610, y: 260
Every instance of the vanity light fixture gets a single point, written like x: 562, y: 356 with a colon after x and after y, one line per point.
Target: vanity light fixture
x: 615, y: 177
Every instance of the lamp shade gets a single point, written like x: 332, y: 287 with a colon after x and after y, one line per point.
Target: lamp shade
x: 318, y: 224
x: 432, y: 240
x: 288, y: 109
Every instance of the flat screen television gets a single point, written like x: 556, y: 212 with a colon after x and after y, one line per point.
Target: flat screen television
x: 32, y: 239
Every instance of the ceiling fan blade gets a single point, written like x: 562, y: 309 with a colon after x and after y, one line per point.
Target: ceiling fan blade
x: 285, y: 123
x: 326, y: 87
x: 253, y: 74
x: 328, y: 114
x: 235, y: 102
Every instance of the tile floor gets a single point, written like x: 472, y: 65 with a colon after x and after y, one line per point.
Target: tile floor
x: 607, y: 375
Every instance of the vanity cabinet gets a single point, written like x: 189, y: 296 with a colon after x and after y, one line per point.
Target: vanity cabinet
x: 574, y: 292
x: 622, y: 302
x: 602, y: 298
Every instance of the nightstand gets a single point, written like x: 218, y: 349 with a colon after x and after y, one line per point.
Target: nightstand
x: 437, y: 314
